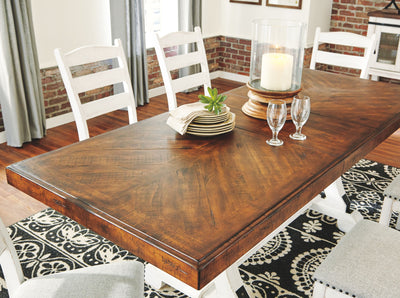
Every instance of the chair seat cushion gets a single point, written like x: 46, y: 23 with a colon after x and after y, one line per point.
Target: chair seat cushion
x: 119, y: 279
x: 365, y: 263
x: 393, y: 190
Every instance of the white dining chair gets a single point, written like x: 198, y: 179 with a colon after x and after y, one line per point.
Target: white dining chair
x: 170, y: 63
x: 391, y: 202
x: 343, y: 59
x: 75, y: 85
x: 333, y: 204
x: 365, y: 263
x: 118, y: 279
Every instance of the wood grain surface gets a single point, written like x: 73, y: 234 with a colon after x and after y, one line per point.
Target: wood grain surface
x: 193, y: 205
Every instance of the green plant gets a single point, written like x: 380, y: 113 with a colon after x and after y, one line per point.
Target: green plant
x: 214, y: 102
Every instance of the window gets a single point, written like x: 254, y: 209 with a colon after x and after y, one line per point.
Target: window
x: 160, y: 17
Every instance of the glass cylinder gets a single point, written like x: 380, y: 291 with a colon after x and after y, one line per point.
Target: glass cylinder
x: 277, y: 54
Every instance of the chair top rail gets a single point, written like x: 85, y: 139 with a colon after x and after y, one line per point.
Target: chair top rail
x: 190, y: 81
x: 344, y: 38
x: 178, y: 38
x: 91, y: 54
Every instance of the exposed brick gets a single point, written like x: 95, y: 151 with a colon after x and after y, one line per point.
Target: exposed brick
x: 232, y: 40
x: 338, y: 6
x: 238, y: 57
x: 233, y: 51
x: 245, y: 41
x: 338, y: 18
x: 226, y: 44
x: 238, y: 46
x: 346, y: 13
x: 56, y: 101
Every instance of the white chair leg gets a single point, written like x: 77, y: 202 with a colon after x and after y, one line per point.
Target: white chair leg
x: 334, y: 206
x: 228, y: 282
x: 386, y: 212
x: 319, y: 290
x: 153, y: 277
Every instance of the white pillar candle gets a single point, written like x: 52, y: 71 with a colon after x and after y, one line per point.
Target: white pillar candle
x: 276, y: 71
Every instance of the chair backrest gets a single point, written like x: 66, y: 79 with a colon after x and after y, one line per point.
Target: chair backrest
x: 170, y: 63
x: 75, y: 85
x: 343, y: 60
x: 9, y: 262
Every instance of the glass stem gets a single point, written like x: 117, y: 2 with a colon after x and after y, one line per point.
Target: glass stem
x: 298, y: 130
x: 274, y: 135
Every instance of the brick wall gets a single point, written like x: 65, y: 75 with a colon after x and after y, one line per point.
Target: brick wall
x: 54, y: 93
x: 351, y: 16
x: 234, y: 55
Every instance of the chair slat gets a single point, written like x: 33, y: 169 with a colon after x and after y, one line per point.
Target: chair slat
x: 97, y: 80
x: 181, y: 84
x: 181, y: 61
x: 105, y: 105
x: 351, y: 61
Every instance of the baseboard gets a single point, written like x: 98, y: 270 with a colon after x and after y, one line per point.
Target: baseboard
x: 3, y: 138
x: 69, y: 117
x: 229, y: 76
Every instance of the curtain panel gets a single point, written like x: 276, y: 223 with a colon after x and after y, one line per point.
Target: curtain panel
x: 127, y: 23
x: 189, y: 13
x: 189, y: 17
x: 21, y: 95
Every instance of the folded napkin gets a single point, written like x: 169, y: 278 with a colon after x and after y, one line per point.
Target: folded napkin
x: 180, y: 118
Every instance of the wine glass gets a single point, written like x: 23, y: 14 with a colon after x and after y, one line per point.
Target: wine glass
x: 276, y: 117
x: 300, y: 111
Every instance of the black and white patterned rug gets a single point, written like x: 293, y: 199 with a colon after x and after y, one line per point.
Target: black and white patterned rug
x: 49, y: 242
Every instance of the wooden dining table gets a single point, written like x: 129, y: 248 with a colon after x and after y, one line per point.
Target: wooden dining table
x: 192, y: 205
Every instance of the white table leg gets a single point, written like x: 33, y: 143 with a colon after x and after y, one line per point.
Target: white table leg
x: 334, y: 206
x: 224, y: 285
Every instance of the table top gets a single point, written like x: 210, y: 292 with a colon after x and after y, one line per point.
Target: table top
x: 193, y: 205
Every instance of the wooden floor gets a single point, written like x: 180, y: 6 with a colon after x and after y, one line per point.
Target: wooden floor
x: 15, y: 205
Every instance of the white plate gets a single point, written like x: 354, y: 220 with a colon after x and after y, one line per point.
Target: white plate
x: 212, y: 130
x: 212, y: 118
x: 207, y: 134
x: 230, y: 119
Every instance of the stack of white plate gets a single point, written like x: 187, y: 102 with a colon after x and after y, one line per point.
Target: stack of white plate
x: 212, y: 125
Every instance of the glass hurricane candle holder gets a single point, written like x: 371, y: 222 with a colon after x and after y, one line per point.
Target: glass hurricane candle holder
x: 276, y: 66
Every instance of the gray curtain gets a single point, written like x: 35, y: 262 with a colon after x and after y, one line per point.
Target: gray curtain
x: 189, y: 14
x: 127, y: 23
x: 21, y: 94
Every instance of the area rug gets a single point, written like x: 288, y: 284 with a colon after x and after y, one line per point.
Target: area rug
x: 49, y: 242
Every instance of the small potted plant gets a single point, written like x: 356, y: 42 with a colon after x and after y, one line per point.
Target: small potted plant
x: 215, y: 102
